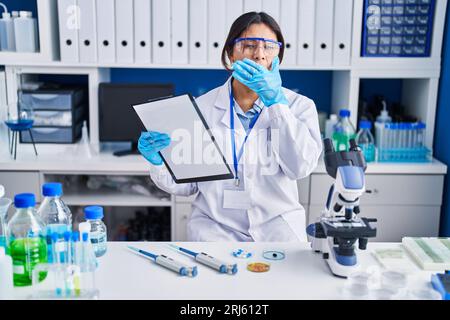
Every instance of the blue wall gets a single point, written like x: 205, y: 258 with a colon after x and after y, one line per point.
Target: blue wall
x: 442, y: 131
x: 316, y: 85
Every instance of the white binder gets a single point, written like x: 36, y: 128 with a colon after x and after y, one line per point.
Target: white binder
x: 106, y: 38
x: 252, y: 5
x: 161, y: 31
x: 68, y: 18
x: 288, y: 25
x: 142, y: 30
x: 197, y: 28
x: 217, y: 32
x: 343, y: 16
x: 87, y: 35
x: 124, y: 31
x: 233, y: 9
x: 324, y: 32
x: 180, y: 30
x: 306, y: 30
x: 272, y: 8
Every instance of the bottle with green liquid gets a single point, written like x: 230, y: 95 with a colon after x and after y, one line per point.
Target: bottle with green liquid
x: 343, y: 131
x: 27, y: 245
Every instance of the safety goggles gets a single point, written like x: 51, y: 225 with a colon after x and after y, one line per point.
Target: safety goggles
x: 248, y: 46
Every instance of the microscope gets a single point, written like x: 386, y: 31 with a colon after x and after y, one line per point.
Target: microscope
x: 339, y: 227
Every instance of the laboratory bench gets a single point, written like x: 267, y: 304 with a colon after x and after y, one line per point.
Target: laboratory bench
x: 302, y: 275
x: 406, y: 198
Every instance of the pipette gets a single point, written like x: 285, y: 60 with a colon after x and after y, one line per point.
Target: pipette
x: 167, y: 262
x: 209, y: 261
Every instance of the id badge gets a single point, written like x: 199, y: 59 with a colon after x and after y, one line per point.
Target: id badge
x: 236, y: 198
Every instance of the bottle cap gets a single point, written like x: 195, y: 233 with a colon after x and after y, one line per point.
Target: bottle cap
x: 93, y: 212
x: 25, y: 14
x: 344, y: 113
x: 6, y: 15
x: 85, y: 236
x: 24, y: 200
x: 54, y: 237
x: 365, y: 124
x: 67, y: 235
x: 52, y: 189
x: 75, y: 236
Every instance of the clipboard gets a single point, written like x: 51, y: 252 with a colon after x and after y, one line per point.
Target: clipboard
x: 180, y: 117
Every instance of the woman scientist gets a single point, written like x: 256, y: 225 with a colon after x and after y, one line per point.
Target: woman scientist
x: 275, y: 125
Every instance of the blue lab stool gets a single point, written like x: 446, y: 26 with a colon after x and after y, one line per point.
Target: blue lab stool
x: 17, y: 126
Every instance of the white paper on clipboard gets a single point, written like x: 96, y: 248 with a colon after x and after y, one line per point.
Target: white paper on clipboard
x: 192, y: 155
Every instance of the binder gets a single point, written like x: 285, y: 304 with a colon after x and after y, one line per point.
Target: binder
x: 197, y: 28
x: 106, y: 38
x: 142, y: 29
x: 272, y: 8
x: 252, y: 5
x: 343, y: 16
x: 324, y: 32
x: 161, y: 31
x: 124, y: 31
x: 180, y: 29
x: 68, y: 18
x: 233, y: 9
x: 306, y: 30
x: 288, y: 25
x: 217, y: 31
x: 87, y: 34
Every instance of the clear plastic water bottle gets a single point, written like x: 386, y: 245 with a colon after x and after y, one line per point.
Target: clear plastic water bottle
x: 94, y: 215
x: 365, y: 140
x: 344, y: 130
x: 27, y: 243
x: 54, y: 213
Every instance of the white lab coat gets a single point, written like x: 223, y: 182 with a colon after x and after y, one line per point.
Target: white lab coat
x: 289, y: 136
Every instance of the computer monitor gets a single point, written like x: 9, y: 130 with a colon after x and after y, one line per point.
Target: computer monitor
x: 118, y: 122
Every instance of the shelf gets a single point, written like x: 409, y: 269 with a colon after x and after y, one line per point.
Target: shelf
x: 60, y: 64
x: 85, y: 197
x: 106, y: 163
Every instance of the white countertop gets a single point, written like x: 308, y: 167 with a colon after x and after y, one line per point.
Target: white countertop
x: 70, y: 159
x: 303, y: 274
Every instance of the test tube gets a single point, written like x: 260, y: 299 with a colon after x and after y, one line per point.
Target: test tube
x: 67, y: 248
x: 56, y: 261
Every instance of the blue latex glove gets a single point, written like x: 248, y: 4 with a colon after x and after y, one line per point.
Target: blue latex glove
x: 150, y: 143
x: 266, y: 83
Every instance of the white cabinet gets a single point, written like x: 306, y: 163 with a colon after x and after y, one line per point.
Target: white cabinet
x: 405, y: 205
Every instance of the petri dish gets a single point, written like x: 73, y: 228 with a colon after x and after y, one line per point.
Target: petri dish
x: 383, y: 293
x: 241, y: 253
x: 394, y: 279
x: 356, y: 291
x: 424, y: 294
x: 258, y: 267
x: 273, y: 254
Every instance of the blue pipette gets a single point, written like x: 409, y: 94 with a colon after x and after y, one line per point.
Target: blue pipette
x: 209, y: 261
x: 167, y: 262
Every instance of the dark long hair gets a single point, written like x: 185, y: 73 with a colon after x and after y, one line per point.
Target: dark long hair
x: 243, y: 23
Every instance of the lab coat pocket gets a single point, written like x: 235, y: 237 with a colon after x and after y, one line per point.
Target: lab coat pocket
x: 267, y: 159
